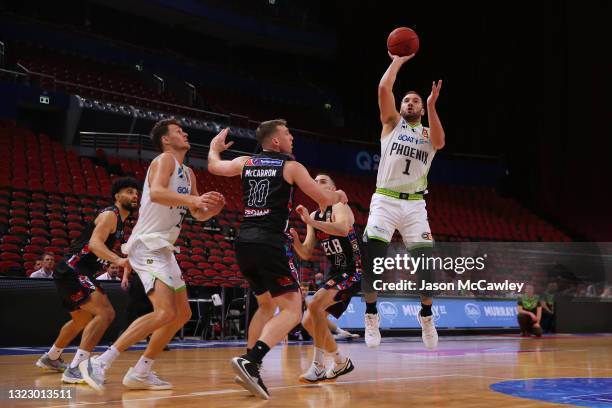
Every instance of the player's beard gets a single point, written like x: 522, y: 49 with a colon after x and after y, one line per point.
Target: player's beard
x: 129, y: 206
x: 412, y: 117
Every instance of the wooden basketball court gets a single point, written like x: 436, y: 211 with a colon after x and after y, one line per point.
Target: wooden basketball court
x: 398, y: 373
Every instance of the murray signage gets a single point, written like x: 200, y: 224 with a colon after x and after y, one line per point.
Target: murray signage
x: 401, y: 313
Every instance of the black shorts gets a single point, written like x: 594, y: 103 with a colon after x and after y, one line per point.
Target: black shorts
x: 348, y: 284
x: 75, y: 285
x: 267, y: 268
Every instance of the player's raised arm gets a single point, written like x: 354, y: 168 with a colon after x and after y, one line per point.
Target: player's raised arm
x: 389, y: 116
x: 341, y: 223
x: 216, y: 165
x: 297, y: 173
x: 436, y: 132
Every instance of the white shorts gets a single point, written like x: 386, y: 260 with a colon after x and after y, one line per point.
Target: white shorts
x: 409, y: 217
x: 155, y: 264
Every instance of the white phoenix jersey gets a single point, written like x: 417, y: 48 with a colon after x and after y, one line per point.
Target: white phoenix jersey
x: 406, y: 155
x: 159, y: 226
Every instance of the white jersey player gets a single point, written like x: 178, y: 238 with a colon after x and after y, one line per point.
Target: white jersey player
x: 169, y: 191
x: 407, y: 150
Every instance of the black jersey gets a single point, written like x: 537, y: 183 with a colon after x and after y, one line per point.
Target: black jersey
x: 267, y: 199
x: 342, y: 252
x: 80, y: 257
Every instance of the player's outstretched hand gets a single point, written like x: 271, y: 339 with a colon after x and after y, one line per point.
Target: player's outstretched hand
x: 217, y: 144
x: 435, y: 92
x: 303, y: 213
x: 343, y: 197
x: 294, y: 235
x: 401, y: 60
x: 214, y: 202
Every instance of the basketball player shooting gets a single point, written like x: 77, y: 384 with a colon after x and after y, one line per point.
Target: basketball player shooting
x: 407, y: 150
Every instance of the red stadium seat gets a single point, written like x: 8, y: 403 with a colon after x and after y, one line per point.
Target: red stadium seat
x: 10, y: 256
x: 39, y: 241
x: 197, y: 258
x: 6, y: 266
x: 9, y: 248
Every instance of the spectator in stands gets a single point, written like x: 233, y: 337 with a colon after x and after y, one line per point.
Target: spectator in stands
x: 529, y: 312
x: 607, y: 292
x: 47, y: 261
x: 591, y: 290
x: 548, y: 308
x: 37, y: 264
x: 581, y: 290
x: 113, y: 272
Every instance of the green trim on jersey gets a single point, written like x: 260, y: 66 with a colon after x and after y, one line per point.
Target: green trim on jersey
x: 421, y: 245
x: 376, y: 238
x: 171, y: 287
x: 395, y: 194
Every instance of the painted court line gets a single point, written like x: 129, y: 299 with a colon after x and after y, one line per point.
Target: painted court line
x: 236, y: 391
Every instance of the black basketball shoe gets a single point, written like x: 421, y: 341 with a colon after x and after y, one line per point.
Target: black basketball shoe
x: 248, y: 372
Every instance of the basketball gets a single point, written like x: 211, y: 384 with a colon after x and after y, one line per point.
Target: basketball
x: 403, y: 41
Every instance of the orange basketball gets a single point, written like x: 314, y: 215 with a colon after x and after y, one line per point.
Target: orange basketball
x: 403, y: 41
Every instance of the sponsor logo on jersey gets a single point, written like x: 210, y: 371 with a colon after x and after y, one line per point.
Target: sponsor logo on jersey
x: 330, y: 282
x: 412, y: 139
x: 149, y: 262
x: 259, y: 212
x: 425, y: 133
x: 427, y: 236
x: 264, y: 162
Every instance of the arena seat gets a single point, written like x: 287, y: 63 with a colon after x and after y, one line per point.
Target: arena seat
x: 52, y: 217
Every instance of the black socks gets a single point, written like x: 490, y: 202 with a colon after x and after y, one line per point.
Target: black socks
x: 425, y: 310
x: 258, y: 352
x: 371, y: 308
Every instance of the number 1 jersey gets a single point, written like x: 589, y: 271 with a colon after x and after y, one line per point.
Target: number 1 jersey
x: 267, y: 199
x: 405, y: 157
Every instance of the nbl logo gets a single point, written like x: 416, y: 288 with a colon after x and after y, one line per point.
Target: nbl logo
x: 258, y: 194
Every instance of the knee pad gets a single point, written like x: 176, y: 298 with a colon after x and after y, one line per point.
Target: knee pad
x: 423, y: 272
x: 373, y: 249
